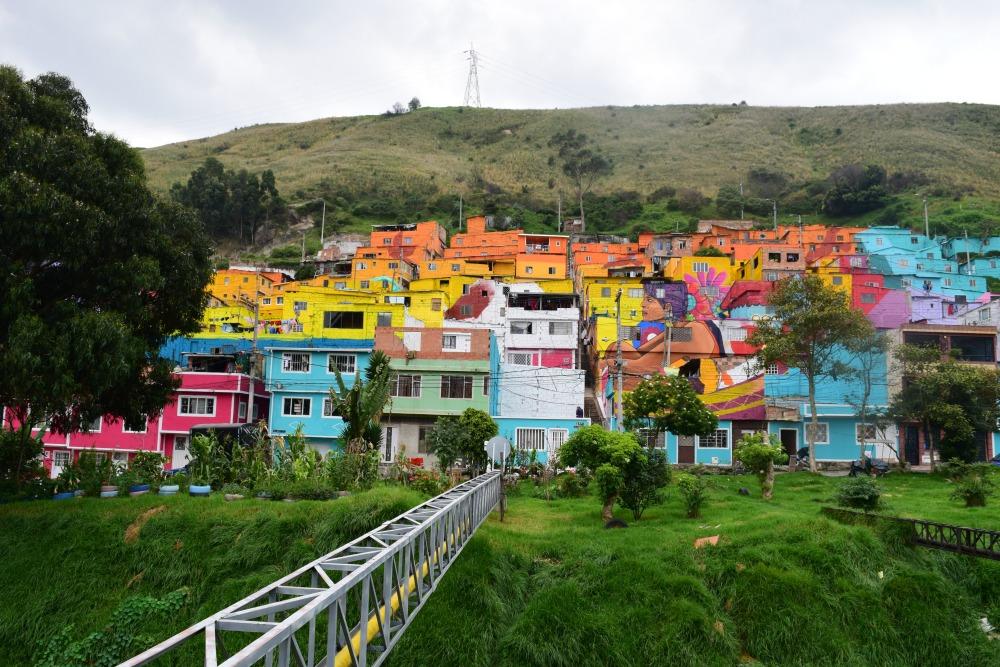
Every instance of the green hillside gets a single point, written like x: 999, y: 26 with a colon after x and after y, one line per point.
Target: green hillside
x: 376, y: 168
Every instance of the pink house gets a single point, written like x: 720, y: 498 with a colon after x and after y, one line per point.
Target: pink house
x: 213, y: 391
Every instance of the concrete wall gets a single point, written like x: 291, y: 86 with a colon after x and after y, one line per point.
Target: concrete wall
x: 539, y: 392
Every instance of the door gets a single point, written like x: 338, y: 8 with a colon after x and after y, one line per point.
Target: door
x: 181, y: 454
x: 388, y: 445
x: 557, y: 437
x: 789, y: 441
x: 685, y: 449
x: 911, y: 445
x: 60, y: 460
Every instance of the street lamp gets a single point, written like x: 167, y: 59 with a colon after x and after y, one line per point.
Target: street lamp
x: 668, y: 325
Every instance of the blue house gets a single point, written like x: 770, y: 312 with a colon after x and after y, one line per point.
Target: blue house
x: 840, y: 433
x: 300, y: 375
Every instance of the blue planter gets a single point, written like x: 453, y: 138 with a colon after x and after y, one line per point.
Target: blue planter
x: 109, y: 494
x: 138, y: 487
x: 65, y: 495
x: 199, y: 490
x: 169, y: 489
x: 78, y: 493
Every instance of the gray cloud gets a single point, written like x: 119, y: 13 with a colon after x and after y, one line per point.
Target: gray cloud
x: 156, y: 72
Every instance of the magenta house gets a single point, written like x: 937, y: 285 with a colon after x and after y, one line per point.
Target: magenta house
x: 214, y: 391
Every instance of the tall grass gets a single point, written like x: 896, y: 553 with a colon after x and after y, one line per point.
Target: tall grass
x: 67, y: 563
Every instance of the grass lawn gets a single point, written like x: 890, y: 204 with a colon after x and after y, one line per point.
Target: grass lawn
x: 784, y: 586
x: 70, y: 562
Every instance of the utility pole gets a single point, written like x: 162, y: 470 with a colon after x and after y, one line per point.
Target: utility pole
x: 460, y: 218
x: 303, y: 248
x: 618, y: 361
x: 668, y: 328
x: 741, y: 200
x: 774, y: 204
x: 969, y: 269
x: 472, y: 83
x: 322, y: 225
x: 559, y: 214
x: 927, y: 222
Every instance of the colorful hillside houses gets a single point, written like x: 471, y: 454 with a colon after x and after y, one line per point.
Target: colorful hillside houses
x: 528, y: 326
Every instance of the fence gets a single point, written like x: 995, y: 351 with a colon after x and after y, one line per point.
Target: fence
x: 960, y: 539
x: 351, y: 605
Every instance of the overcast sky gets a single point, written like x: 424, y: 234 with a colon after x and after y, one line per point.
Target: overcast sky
x: 157, y: 72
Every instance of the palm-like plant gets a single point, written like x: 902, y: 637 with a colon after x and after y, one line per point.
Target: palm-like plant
x: 361, y: 405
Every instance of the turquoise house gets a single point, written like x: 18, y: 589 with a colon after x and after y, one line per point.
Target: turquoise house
x: 300, y: 375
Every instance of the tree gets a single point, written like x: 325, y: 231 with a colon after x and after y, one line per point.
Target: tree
x: 709, y: 251
x: 95, y: 271
x: 414, y: 104
x: 868, y: 358
x: 663, y: 403
x: 952, y: 402
x: 581, y: 164
x: 361, y: 405
x: 606, y: 454
x: 462, y: 437
x: 812, y: 329
x: 729, y: 202
x: 855, y: 189
x: 645, y: 476
x: 690, y: 200
x: 758, y: 452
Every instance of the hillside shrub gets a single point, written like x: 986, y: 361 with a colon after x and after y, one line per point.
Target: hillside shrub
x: 645, y: 477
x: 862, y: 493
x: 694, y: 493
x: 974, y: 490
x: 572, y: 485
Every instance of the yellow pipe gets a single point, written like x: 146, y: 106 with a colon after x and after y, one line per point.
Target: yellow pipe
x: 343, y: 658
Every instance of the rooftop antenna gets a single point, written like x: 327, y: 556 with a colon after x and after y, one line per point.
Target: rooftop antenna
x: 472, y: 83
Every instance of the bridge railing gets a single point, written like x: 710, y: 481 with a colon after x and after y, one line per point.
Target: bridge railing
x: 349, y: 607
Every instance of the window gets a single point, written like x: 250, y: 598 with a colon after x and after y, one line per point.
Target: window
x: 344, y: 320
x: 180, y: 443
x: 95, y: 426
x: 605, y: 291
x: 422, y: 445
x: 648, y: 437
x: 520, y: 327
x: 699, y: 267
x: 242, y: 411
x: 736, y: 334
x: 772, y: 369
x: 120, y: 458
x: 393, y: 265
x: 267, y: 301
x: 456, y: 267
x: 486, y: 385
x: 225, y: 281
x: 406, y: 386
x: 280, y: 301
x: 792, y: 257
x: 345, y: 363
x: 680, y: 334
x: 449, y: 342
x: 530, y: 438
x: 904, y: 263
x: 407, y: 240
x: 972, y: 282
x: 296, y: 407
x: 383, y: 320
x: 197, y: 405
x: 61, y: 459
x: 521, y: 358
x: 840, y: 237
x: 865, y: 432
x: 717, y: 440
x: 456, y: 386
x: 386, y: 241
x: 774, y: 256
x: 633, y: 313
x: 930, y: 255
x: 946, y: 282
x: 770, y: 276
x: 328, y: 407
x: 436, y: 305
x: 636, y: 292
x: 913, y: 240
x: 552, y: 270
x: 465, y: 310
x: 529, y: 269
x: 256, y: 411
x: 364, y: 284
x: 560, y: 328
x: 298, y: 306
x: 557, y: 436
x: 920, y: 267
x: 588, y: 258
x: 838, y: 280
x: 295, y: 362
x: 984, y: 315
x: 139, y: 425
x: 340, y: 285
x: 821, y: 433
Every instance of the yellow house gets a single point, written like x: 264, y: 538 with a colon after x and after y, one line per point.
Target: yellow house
x: 239, y: 286
x: 681, y: 268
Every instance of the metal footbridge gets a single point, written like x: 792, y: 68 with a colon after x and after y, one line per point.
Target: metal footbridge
x: 349, y: 607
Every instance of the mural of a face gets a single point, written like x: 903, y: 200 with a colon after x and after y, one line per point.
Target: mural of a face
x: 652, y: 310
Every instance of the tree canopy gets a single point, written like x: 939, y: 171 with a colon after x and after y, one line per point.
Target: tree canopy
x: 813, y: 328
x: 95, y: 271
x: 231, y: 204
x: 462, y: 437
x: 856, y: 189
x: 664, y: 403
x: 607, y: 454
x: 581, y: 163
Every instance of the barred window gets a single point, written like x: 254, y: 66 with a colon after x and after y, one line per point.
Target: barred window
x: 717, y: 440
x: 531, y: 438
x: 345, y: 363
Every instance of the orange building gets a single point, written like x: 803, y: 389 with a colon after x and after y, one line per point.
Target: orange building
x: 414, y: 241
x: 232, y: 286
x: 603, y: 253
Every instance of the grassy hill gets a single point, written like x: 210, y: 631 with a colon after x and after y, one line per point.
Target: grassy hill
x: 441, y: 149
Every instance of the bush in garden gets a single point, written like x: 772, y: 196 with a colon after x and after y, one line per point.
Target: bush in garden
x: 974, y: 489
x: 758, y: 452
x: 860, y: 492
x: 571, y: 485
x: 645, y: 477
x: 694, y: 493
x: 148, y: 467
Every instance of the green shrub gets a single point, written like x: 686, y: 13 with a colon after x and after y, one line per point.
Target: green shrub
x: 861, y: 493
x: 974, y: 490
x: 427, y: 482
x: 571, y: 485
x: 93, y: 472
x: 148, y: 467
x: 645, y: 477
x: 236, y: 489
x: 694, y: 493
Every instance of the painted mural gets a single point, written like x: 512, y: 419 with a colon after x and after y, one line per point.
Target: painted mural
x: 706, y: 290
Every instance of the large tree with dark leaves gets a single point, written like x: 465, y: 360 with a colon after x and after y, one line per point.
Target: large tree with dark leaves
x: 95, y: 271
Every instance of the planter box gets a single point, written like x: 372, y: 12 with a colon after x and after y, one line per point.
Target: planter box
x: 108, y: 487
x: 233, y: 496
x: 110, y: 494
x: 66, y: 495
x: 199, y: 490
x: 169, y: 489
